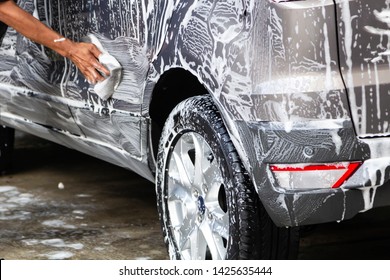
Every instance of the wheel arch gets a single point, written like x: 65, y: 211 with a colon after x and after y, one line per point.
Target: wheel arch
x: 174, y: 86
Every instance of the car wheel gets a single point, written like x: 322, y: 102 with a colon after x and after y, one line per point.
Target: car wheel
x: 207, y: 204
x: 7, y: 137
x: 207, y: 207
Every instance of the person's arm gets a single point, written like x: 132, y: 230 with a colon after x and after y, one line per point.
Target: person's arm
x: 83, y: 55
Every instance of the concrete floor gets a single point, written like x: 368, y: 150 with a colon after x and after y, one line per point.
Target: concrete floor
x: 61, y: 204
x: 68, y: 205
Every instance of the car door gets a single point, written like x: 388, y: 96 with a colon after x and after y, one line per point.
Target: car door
x: 32, y: 77
x: 126, y: 29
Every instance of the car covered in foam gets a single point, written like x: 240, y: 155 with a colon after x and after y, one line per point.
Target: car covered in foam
x: 253, y: 117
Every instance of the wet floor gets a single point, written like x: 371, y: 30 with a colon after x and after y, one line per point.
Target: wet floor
x: 61, y: 204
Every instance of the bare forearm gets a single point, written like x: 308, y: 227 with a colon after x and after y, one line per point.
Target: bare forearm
x: 83, y: 55
x: 32, y: 28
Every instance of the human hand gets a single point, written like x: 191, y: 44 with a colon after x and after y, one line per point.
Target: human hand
x: 85, y: 57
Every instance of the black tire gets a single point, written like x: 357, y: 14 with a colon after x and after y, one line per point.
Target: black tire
x: 277, y: 243
x: 7, y: 138
x: 185, y: 209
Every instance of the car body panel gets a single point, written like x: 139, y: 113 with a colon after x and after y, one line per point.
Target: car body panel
x: 41, y: 71
x: 277, y: 71
x: 364, y: 61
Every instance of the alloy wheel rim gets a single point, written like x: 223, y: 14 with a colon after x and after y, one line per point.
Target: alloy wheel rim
x: 196, y: 199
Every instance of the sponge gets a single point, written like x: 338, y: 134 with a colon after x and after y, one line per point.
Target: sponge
x: 106, y: 88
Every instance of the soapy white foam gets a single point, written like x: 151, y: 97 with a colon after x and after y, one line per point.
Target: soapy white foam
x: 58, y: 255
x: 57, y: 224
x: 22, y: 199
x: 337, y: 141
x: 61, y: 244
x: 348, y: 40
x: 99, y: 249
x: 82, y: 195
x: 30, y: 242
x: 281, y: 201
x: 4, y: 189
x: 79, y: 212
x: 12, y: 201
x: 61, y: 186
x: 368, y: 197
x: 56, y: 242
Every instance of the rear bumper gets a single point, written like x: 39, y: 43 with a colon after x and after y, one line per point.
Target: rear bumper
x: 314, y: 207
x: 316, y: 142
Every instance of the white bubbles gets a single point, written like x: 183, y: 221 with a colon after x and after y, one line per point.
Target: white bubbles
x: 61, y: 186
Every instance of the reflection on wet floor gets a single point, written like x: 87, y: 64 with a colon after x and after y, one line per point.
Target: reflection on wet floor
x: 35, y: 224
x: 60, y: 204
x: 34, y: 227
x: 13, y: 204
x: 75, y: 208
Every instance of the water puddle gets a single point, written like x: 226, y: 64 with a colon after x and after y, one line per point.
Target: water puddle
x: 58, y: 255
x: 20, y: 209
x: 13, y: 204
x: 59, y: 223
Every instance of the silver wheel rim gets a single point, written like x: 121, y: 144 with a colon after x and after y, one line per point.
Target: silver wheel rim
x: 196, y: 200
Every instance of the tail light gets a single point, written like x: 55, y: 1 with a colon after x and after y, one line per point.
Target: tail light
x: 313, y: 176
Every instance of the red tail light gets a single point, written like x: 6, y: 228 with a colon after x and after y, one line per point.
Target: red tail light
x: 313, y: 176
